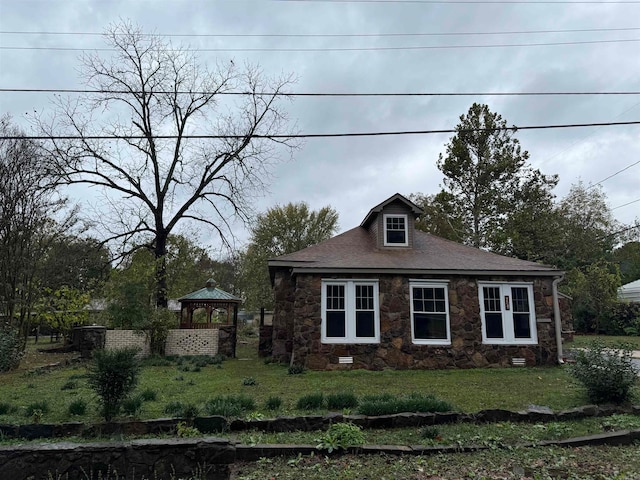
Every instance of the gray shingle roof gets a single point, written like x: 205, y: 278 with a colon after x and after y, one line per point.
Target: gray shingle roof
x: 356, y: 249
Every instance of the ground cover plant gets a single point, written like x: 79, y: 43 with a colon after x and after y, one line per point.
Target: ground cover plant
x: 583, y: 341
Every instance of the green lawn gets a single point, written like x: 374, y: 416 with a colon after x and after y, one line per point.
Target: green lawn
x: 581, y: 341
x: 468, y: 390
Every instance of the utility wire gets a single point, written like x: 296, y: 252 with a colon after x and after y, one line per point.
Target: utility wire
x: 337, y: 49
x: 625, y: 204
x: 318, y: 35
x: 316, y: 94
x: 469, y: 2
x: 312, y: 135
x: 613, y: 175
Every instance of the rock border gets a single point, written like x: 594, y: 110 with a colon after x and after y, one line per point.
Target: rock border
x: 219, y: 424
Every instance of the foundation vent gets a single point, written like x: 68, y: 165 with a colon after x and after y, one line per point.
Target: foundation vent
x: 345, y: 359
x: 518, y: 362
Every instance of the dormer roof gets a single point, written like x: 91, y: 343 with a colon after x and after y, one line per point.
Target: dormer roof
x: 375, y: 211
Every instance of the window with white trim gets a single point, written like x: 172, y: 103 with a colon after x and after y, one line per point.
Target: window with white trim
x: 395, y: 230
x: 430, y: 313
x: 508, y: 313
x: 350, y: 312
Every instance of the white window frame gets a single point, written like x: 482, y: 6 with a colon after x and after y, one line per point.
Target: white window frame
x: 508, y: 332
x: 430, y: 284
x: 406, y: 230
x: 350, y: 311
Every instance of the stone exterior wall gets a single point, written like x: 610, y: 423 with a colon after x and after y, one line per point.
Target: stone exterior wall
x: 116, y: 339
x: 87, y: 339
x: 265, y: 342
x: 298, y: 311
x: 227, y: 341
x: 192, y: 342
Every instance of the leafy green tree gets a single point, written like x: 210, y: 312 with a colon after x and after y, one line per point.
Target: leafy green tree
x: 62, y: 308
x: 79, y: 263
x: 585, y: 228
x: 628, y: 259
x: 441, y: 215
x: 488, y: 179
x: 28, y: 195
x: 279, y: 231
x: 594, y: 293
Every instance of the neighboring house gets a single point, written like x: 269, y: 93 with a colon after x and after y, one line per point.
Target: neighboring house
x: 385, y: 295
x: 630, y: 292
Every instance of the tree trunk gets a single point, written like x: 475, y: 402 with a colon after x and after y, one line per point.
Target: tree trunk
x: 160, y: 253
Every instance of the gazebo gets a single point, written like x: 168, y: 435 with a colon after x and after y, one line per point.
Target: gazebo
x: 211, y: 299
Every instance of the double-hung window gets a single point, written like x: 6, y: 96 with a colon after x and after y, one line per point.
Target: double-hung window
x: 508, y: 313
x: 350, y: 312
x: 430, y: 313
x: 395, y: 230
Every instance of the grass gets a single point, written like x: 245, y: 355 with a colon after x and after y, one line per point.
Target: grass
x: 585, y: 463
x: 467, y: 390
x: 582, y: 341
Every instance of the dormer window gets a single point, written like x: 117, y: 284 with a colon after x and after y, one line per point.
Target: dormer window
x: 395, y: 231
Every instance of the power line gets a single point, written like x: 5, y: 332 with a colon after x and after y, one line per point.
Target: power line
x: 613, y: 175
x: 318, y: 35
x: 337, y: 49
x: 625, y: 204
x: 318, y: 94
x: 313, y: 135
x: 469, y: 2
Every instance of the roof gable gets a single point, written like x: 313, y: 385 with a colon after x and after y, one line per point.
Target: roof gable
x: 397, y: 198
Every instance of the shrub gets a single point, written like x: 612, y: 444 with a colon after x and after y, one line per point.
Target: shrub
x: 37, y: 408
x: 296, y: 369
x: 414, y: 402
x: 7, y: 408
x: 78, y: 407
x: 230, y: 405
x: 607, y: 373
x: 149, y: 395
x: 69, y: 385
x: 341, y: 435
x: 339, y: 401
x: 113, y: 375
x: 430, y: 433
x: 10, y: 349
x: 313, y: 401
x: 249, y: 382
x: 185, y: 431
x: 273, y: 403
x: 132, y: 406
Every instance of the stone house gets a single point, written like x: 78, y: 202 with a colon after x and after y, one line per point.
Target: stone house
x: 385, y: 295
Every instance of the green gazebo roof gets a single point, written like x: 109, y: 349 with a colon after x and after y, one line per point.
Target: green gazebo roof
x: 210, y: 292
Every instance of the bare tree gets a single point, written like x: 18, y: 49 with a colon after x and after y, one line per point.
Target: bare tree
x: 29, y: 205
x: 155, y: 98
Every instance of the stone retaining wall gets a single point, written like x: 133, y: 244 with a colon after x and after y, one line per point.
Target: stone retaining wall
x: 203, y: 458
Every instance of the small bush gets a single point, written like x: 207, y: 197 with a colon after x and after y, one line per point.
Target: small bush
x: 37, y: 408
x: 181, y: 410
x: 296, y: 369
x: 113, y: 376
x: 430, y: 433
x: 132, y: 406
x: 414, y: 402
x: 78, y: 407
x: 185, y: 431
x: 340, y: 401
x: 607, y: 373
x: 230, y: 405
x: 313, y: 401
x: 149, y: 395
x: 10, y: 349
x: 341, y: 435
x: 7, y: 408
x: 273, y: 403
x: 249, y: 382
x: 69, y: 385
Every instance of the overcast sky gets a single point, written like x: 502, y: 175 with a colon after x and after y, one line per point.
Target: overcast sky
x: 354, y: 174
